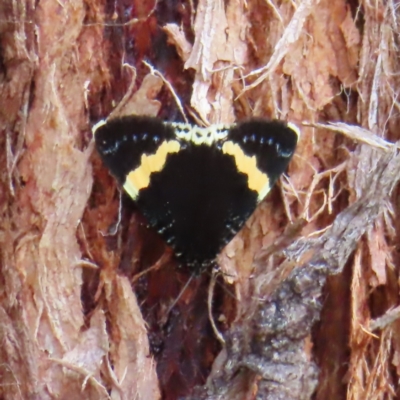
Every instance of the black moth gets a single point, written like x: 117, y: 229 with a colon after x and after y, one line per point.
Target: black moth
x: 195, y: 186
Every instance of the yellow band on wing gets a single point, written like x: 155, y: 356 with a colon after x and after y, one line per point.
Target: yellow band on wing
x: 257, y: 180
x: 140, y: 177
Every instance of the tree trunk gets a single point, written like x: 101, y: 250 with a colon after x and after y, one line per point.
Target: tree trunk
x: 307, y: 301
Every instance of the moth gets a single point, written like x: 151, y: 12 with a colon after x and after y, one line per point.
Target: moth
x: 196, y: 186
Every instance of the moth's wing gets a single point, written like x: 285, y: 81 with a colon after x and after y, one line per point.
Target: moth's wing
x: 198, y: 202
x: 130, y: 148
x: 263, y: 149
x: 196, y: 186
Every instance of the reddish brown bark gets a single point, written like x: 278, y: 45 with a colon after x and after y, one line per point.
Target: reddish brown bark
x: 76, y: 321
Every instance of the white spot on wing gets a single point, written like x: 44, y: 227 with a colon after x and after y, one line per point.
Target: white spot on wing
x: 98, y: 125
x: 294, y: 128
